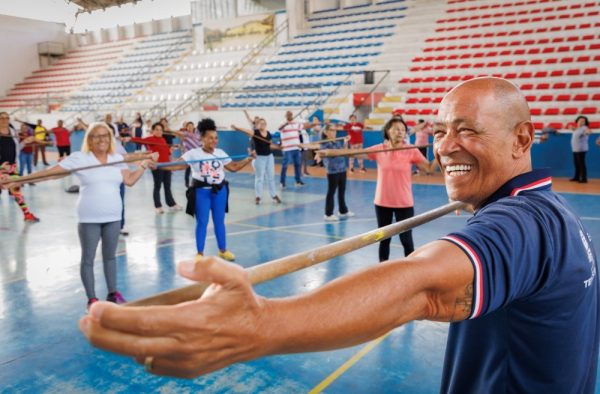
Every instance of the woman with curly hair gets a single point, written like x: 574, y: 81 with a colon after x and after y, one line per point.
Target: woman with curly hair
x: 209, y: 191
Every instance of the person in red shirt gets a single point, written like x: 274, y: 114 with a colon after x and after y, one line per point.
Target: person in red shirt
x: 355, y: 132
x: 157, y: 143
x: 62, y: 138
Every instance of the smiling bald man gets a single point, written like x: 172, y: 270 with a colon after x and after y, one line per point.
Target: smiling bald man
x: 517, y: 282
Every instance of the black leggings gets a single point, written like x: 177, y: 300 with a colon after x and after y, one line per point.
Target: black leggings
x: 336, y: 181
x: 384, y: 217
x: 580, y: 169
x: 162, y: 177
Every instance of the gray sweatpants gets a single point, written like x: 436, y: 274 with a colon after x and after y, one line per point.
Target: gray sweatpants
x: 89, y: 236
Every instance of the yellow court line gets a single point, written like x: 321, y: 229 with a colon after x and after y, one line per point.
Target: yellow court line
x: 345, y: 366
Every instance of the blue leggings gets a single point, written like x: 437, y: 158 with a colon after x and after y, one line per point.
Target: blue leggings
x: 207, y: 201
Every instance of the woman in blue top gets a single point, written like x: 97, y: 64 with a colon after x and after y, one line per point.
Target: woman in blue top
x: 336, y: 176
x: 579, y: 146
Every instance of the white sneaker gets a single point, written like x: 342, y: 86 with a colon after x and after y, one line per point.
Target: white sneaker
x: 331, y: 218
x: 175, y: 208
x: 160, y: 211
x: 348, y: 214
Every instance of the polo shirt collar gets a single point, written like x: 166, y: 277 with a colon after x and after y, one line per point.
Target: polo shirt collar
x: 532, y: 180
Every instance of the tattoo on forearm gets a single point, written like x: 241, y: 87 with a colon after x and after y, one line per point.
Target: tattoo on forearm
x: 463, y: 305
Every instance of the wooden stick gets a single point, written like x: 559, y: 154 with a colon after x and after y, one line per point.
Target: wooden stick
x: 327, y: 140
x: 354, y: 152
x: 285, y: 265
x: 37, y: 178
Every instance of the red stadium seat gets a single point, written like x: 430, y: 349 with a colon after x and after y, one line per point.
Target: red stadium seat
x: 590, y: 71
x: 530, y: 98
x: 557, y: 73
x: 589, y: 111
x: 555, y: 125
x: 563, y: 97
x: 538, y: 125
x: 581, y: 97
x: 574, y: 72
x: 559, y: 85
x: 546, y: 98
x: 526, y: 86
x: 536, y: 111
x: 593, y: 84
x: 596, y: 97
x: 594, y: 125
x: 576, y: 85
x: 570, y: 111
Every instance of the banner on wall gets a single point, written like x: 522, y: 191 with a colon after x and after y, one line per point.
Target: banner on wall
x: 238, y: 31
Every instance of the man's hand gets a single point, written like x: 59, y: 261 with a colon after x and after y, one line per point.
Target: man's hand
x: 193, y: 338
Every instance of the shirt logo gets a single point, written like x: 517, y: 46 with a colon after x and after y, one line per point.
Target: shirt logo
x: 590, y: 256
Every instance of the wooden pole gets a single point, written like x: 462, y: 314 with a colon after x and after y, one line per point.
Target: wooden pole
x: 37, y: 178
x: 354, y: 152
x: 285, y: 265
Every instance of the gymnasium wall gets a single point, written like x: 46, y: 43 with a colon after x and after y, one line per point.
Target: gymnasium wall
x: 19, y: 53
x: 555, y: 153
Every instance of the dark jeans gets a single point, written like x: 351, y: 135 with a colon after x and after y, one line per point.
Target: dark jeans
x: 384, y: 217
x: 294, y: 157
x: 336, y: 181
x: 580, y: 169
x: 162, y: 177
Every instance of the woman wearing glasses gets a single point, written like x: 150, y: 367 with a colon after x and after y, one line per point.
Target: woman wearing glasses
x: 99, y: 204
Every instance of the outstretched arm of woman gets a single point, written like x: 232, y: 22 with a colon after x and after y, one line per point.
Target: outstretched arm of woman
x: 235, y: 166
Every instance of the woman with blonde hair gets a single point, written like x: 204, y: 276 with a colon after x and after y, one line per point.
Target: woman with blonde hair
x: 99, y: 204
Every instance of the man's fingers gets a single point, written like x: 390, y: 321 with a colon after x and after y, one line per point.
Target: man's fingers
x: 147, y: 321
x: 125, y: 343
x: 214, y: 270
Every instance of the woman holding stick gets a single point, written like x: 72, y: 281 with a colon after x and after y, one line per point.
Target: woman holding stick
x: 336, y: 175
x: 158, y: 144
x: 393, y: 193
x: 264, y: 163
x: 99, y: 204
x: 8, y: 163
x: 209, y: 191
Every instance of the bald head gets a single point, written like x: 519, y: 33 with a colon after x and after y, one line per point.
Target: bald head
x: 482, y: 138
x: 505, y: 99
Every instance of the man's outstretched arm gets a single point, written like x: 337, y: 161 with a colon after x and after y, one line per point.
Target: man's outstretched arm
x: 230, y: 323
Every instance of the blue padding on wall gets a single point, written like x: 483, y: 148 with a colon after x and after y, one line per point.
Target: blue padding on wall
x: 554, y: 154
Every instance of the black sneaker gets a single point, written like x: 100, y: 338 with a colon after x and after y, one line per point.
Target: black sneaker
x: 115, y: 297
x: 300, y: 183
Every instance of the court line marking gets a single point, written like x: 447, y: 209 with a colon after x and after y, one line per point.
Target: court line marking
x: 347, y: 365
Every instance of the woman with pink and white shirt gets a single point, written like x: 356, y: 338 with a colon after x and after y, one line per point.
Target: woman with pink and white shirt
x: 393, y: 193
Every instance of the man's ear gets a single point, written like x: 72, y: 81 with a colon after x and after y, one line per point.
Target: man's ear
x: 524, y: 134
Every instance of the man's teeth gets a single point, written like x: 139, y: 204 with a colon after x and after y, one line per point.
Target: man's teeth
x: 458, y: 169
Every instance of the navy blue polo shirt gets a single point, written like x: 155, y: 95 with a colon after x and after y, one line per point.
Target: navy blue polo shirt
x: 534, y: 321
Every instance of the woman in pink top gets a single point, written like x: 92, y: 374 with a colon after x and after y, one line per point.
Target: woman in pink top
x: 393, y: 194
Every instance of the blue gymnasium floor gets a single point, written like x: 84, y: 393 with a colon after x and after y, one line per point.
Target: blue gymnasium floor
x: 41, y: 297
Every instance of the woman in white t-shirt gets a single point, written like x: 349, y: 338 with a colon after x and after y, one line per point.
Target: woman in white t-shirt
x: 99, y: 205
x: 209, y: 190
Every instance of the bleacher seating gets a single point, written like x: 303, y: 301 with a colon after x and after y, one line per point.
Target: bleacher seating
x: 53, y: 85
x: 150, y: 57
x: 550, y: 49
x: 338, y: 45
